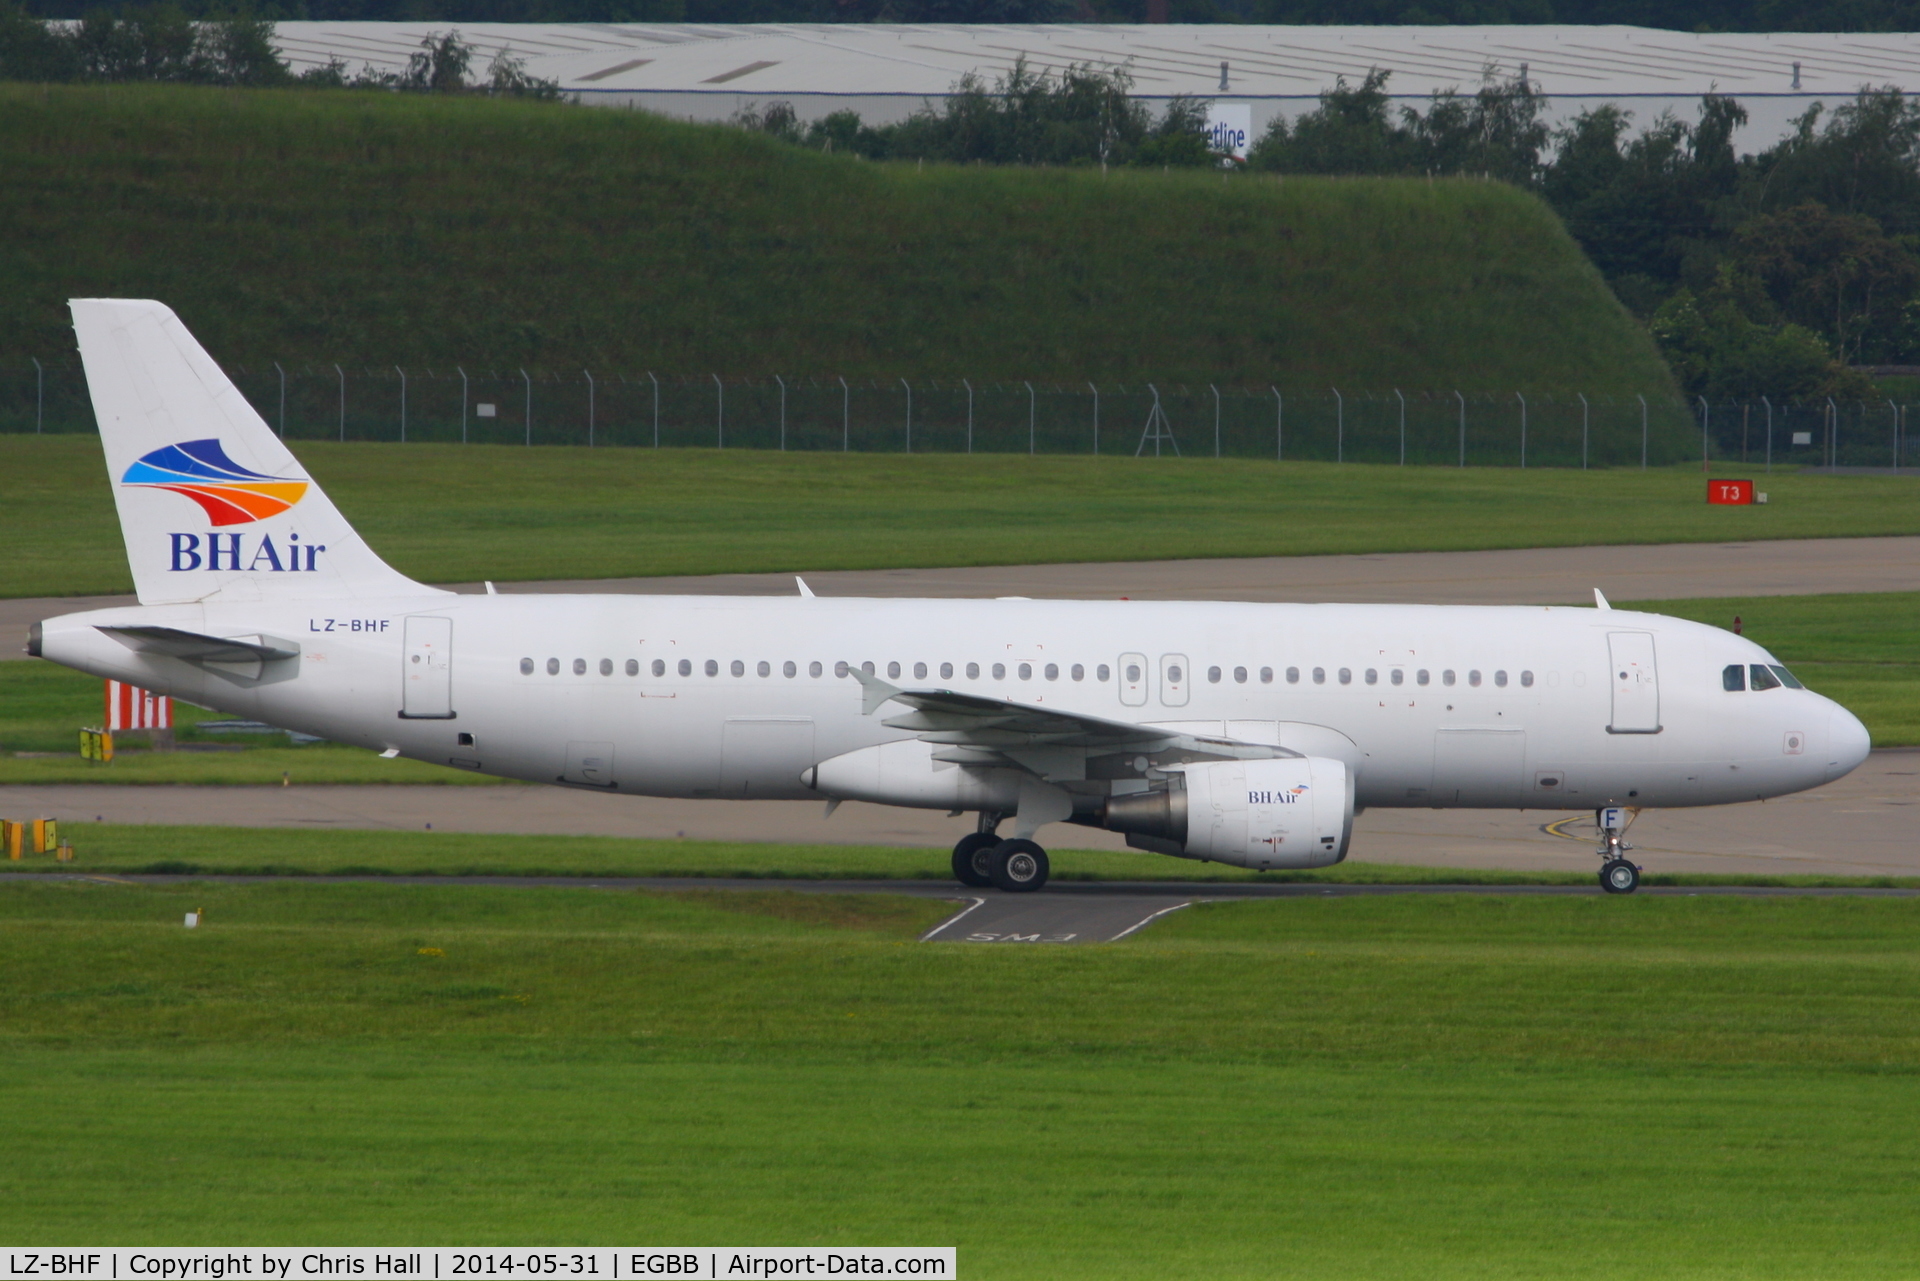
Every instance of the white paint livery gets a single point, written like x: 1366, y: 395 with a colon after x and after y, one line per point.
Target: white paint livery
x: 1241, y: 733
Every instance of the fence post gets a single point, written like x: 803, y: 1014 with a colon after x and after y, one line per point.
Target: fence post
x: 463, y: 403
x: 589, y: 377
x: 1096, y: 418
x: 1706, y: 416
x: 1523, y: 430
x: 656, y: 408
x: 1032, y: 413
x: 1833, y: 433
x: 1216, y: 418
x: 1339, y: 427
x: 720, y: 413
x: 783, y: 412
x: 909, y: 387
x: 39, y: 395
x: 969, y: 387
x: 343, y: 402
x: 1463, y: 427
x: 529, y: 424
x: 1403, y: 427
x: 1643, y: 433
x: 846, y: 417
x: 1896, y: 434
x: 403, y: 403
x: 1585, y: 419
x: 1279, y: 425
x: 283, y: 400
x: 1769, y: 406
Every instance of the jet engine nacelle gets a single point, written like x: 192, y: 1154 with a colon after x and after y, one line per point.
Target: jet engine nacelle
x: 1295, y: 812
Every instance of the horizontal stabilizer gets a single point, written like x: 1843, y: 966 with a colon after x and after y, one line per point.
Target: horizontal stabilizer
x: 196, y: 648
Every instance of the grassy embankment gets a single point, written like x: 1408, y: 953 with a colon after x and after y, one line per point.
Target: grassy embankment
x: 375, y: 229
x: 1440, y: 1087
x: 1858, y: 649
x: 447, y: 514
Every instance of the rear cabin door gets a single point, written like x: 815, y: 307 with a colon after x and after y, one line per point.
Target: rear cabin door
x: 426, y: 669
x: 1636, y: 685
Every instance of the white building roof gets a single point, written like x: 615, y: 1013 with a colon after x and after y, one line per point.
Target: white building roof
x: 885, y: 71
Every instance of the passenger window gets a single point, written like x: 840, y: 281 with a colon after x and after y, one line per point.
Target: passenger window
x: 606, y: 667
x: 1293, y: 676
x: 1319, y: 676
x: 1078, y: 672
x: 893, y: 671
x: 999, y: 671
x: 1213, y: 675
x: 1764, y: 679
x: 1266, y: 676
x: 1526, y: 680
x: 814, y: 669
x: 1100, y: 673
x: 1420, y: 677
x: 1473, y: 678
x: 686, y: 667
x: 633, y: 667
x: 1026, y: 671
x: 1175, y: 675
x: 946, y: 671
x: 1397, y: 676
x: 867, y: 667
x: 1239, y: 676
x: 579, y: 667
x: 789, y: 670
x: 1733, y: 677
x: 840, y: 668
x: 737, y: 668
x: 1346, y: 676
x: 1373, y: 677
x: 973, y: 671
x: 526, y: 667
x: 1446, y: 677
x: 553, y: 667
x: 764, y: 669
x: 1787, y: 678
x: 919, y: 671
x: 712, y: 667
x: 1500, y: 678
x: 1052, y: 672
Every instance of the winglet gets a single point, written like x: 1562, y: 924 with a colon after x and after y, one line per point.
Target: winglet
x: 1599, y: 601
x: 873, y: 691
x: 805, y: 590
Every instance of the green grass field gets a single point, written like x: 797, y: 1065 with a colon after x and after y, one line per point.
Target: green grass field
x: 375, y: 229
x: 132, y: 849
x: 1437, y: 1087
x: 519, y: 514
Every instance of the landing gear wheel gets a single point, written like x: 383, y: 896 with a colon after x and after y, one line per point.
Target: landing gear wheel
x: 1619, y: 877
x: 1018, y: 867
x: 972, y: 864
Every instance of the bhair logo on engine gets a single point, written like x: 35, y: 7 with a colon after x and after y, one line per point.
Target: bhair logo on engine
x: 229, y: 493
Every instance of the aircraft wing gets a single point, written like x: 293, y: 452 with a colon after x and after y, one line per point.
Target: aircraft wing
x: 969, y: 729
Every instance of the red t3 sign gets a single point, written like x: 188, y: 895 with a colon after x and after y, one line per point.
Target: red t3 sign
x: 1732, y: 492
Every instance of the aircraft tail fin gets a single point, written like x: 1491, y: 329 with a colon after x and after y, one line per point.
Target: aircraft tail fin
x: 212, y: 505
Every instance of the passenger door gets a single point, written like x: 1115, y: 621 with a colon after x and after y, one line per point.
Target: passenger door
x: 1636, y: 686
x: 426, y: 669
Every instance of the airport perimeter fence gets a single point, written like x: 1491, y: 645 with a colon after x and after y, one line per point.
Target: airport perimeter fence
x: 583, y: 408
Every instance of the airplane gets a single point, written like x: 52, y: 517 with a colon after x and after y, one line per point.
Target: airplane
x: 1242, y: 734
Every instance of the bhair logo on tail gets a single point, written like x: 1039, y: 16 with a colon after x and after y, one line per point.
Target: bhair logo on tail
x: 229, y: 493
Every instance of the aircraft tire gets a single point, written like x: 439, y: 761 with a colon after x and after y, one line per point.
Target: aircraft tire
x: 1019, y: 867
x: 1619, y: 877
x: 972, y: 861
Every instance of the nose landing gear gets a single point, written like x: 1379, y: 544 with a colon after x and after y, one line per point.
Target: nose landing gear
x: 1617, y: 875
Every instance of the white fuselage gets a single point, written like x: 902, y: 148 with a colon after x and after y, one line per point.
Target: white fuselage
x: 1442, y: 706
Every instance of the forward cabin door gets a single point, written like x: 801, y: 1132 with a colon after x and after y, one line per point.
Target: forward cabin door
x: 426, y: 669
x: 1636, y: 685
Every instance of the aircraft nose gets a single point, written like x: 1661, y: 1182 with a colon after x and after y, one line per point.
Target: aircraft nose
x: 1847, y: 742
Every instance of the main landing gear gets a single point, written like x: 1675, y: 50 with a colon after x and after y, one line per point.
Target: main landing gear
x: 982, y: 859
x: 1617, y: 875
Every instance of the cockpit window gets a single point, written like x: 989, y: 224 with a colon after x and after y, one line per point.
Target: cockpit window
x: 1733, y: 678
x: 1764, y: 679
x: 1787, y: 678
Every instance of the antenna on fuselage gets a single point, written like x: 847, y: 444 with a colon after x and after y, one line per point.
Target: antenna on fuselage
x: 805, y: 590
x: 1599, y: 601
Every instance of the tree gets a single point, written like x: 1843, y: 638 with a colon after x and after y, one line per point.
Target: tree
x: 1716, y: 348
x: 1836, y: 274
